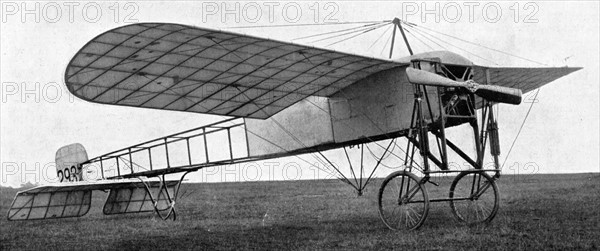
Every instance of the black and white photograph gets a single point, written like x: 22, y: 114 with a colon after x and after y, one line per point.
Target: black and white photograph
x: 299, y: 125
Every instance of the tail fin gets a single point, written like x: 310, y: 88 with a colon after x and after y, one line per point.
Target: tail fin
x: 68, y: 162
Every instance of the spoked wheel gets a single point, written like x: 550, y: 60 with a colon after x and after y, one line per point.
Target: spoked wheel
x: 475, y: 197
x: 403, y: 201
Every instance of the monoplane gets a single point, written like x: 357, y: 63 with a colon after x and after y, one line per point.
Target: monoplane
x: 281, y: 99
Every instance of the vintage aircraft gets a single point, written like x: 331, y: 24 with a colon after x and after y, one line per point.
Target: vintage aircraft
x: 280, y: 99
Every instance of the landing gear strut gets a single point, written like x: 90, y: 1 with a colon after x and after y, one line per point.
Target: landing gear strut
x: 474, y: 198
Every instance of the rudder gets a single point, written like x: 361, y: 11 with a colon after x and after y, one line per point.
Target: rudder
x: 68, y: 161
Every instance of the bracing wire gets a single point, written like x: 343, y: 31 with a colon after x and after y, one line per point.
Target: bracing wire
x: 385, y: 45
x: 361, y: 29
x: 424, y: 33
x: 521, y: 127
x: 418, y: 39
x: 369, y: 27
x: 379, y: 128
x: 336, y: 31
x: 125, y: 161
x: 482, y: 46
x: 428, y: 38
x: 300, y: 25
x: 356, y: 35
x: 384, y: 157
x: 382, y: 34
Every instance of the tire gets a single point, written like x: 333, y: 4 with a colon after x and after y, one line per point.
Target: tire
x: 474, y: 198
x: 399, y: 211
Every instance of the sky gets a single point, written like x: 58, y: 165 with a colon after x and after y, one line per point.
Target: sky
x: 38, y: 115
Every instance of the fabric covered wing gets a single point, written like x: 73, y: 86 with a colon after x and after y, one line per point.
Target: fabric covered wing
x: 185, y: 68
x: 526, y: 79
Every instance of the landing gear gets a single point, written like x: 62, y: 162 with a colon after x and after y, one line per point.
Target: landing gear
x: 474, y: 197
x: 164, y: 201
x: 403, y: 201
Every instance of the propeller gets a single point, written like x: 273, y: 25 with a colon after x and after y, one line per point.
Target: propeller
x: 492, y: 93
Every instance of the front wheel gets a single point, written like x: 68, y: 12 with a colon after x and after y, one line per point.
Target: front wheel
x: 403, y: 201
x: 474, y: 197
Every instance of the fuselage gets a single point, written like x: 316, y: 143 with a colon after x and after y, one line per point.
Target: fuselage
x: 377, y: 107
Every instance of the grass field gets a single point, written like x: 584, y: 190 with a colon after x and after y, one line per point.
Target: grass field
x: 536, y: 212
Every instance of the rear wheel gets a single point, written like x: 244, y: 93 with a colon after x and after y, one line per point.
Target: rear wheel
x: 475, y: 197
x: 403, y: 201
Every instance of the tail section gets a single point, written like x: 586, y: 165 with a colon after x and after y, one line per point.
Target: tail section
x: 68, y: 162
x: 73, y: 199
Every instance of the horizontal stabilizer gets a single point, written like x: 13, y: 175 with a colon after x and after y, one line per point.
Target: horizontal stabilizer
x: 73, y: 199
x: 136, y: 199
x: 47, y: 205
